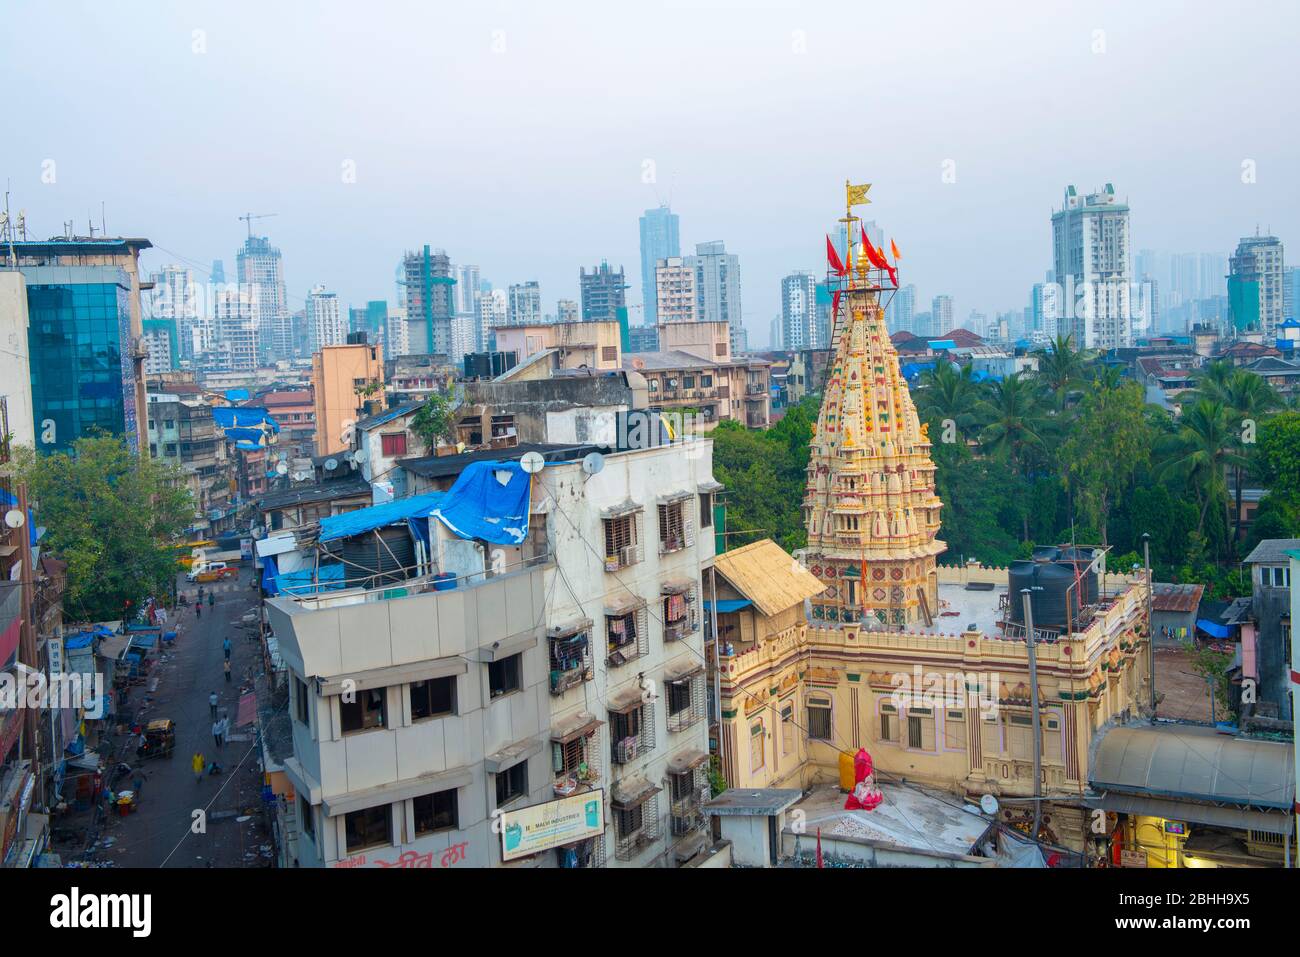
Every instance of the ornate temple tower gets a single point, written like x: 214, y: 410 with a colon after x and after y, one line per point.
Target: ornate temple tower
x: 869, y: 504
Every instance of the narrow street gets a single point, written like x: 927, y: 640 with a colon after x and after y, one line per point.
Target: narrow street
x: 161, y: 833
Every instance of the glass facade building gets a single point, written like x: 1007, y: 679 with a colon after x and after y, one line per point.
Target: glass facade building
x: 79, y: 338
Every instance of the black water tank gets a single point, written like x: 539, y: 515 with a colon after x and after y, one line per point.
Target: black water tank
x: 381, y: 557
x: 1019, y: 575
x: 1046, y: 553
x: 1051, y: 605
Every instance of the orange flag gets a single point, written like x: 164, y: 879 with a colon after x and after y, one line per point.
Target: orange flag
x: 893, y: 246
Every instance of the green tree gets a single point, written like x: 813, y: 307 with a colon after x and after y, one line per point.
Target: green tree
x: 1108, y: 441
x: 944, y: 393
x: 113, y: 517
x: 435, y: 420
x: 1063, y: 368
x: 1201, y: 451
x: 1248, y: 399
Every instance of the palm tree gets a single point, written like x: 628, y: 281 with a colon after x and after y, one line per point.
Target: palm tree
x: 1247, y: 398
x: 1061, y: 367
x: 1202, y: 450
x: 946, y: 393
x: 1016, y: 422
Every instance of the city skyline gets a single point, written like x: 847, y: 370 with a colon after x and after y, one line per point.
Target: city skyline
x: 949, y: 189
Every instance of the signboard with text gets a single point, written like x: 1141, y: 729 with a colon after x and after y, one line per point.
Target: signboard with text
x: 541, y: 827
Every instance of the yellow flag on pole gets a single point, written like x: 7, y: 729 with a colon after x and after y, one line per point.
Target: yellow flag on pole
x: 857, y: 195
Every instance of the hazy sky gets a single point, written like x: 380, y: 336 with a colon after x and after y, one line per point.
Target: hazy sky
x: 516, y: 135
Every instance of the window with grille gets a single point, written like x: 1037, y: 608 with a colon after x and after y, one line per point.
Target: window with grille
x: 674, y: 527
x: 570, y: 660
x: 787, y: 729
x: 679, y: 697
x: 888, y: 722
x: 1020, y: 742
x: 620, y: 542
x: 631, y: 733
x: 685, y: 701
x: 626, y: 637
x: 609, y: 353
x: 369, y: 709
x: 706, y: 510
x: 819, y: 721
x: 954, y: 730
x: 393, y: 443
x: 436, y: 812
x: 679, y: 617
x: 571, y: 758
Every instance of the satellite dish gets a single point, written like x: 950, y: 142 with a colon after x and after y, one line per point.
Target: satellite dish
x: 300, y: 476
x: 638, y: 363
x: 989, y: 804
x: 282, y: 467
x: 331, y: 464
x: 592, y: 463
x: 360, y: 454
x: 14, y: 518
x: 532, y: 462
x: 259, y: 531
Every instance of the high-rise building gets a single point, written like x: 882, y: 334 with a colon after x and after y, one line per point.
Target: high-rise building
x: 524, y: 304
x: 493, y: 310
x: 941, y: 317
x: 176, y: 297
x: 466, y: 330
x: 1255, y: 286
x: 602, y: 293
x: 1090, y: 246
x: 1290, y: 291
x: 659, y: 240
x: 717, y: 287
x: 800, y: 328
x: 325, y: 319
x: 468, y: 288
x: 396, y: 336
x: 376, y: 320
x: 260, y: 269
x: 567, y: 310
x: 675, y: 290
x: 234, y: 334
x: 85, y: 318
x: 902, y: 309
x: 426, y: 278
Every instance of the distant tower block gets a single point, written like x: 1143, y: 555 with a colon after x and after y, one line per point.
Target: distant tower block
x: 869, y: 504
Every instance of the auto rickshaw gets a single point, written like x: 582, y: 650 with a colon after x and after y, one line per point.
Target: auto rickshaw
x: 159, y: 739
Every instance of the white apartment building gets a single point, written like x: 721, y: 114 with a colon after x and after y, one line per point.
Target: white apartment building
x: 941, y: 317
x: 397, y: 340
x: 176, y: 296
x: 1093, y: 265
x: 493, y: 310
x: 717, y: 289
x: 544, y: 708
x: 326, y: 322
x: 233, y: 346
x: 524, y: 306
x: 675, y: 299
x: 800, y: 328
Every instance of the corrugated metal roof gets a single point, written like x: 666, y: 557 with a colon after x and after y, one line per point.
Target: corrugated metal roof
x: 1272, y: 550
x: 768, y: 575
x: 1176, y: 598
x: 1196, y: 763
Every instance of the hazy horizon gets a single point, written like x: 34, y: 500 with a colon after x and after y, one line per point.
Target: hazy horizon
x: 516, y: 137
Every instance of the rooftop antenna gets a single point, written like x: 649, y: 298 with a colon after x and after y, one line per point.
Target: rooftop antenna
x: 249, y: 217
x: 103, y: 221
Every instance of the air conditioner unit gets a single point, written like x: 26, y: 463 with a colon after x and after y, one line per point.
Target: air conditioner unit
x: 627, y: 555
x: 626, y: 750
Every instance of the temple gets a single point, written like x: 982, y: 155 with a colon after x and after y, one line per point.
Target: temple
x: 868, y: 642
x: 869, y: 505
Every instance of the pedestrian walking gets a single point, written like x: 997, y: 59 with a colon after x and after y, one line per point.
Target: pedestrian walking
x: 226, y: 664
x: 225, y: 728
x: 212, y: 598
x: 198, y: 610
x: 137, y: 780
x: 216, y: 732
x: 225, y: 646
x: 199, y: 765
x: 212, y: 704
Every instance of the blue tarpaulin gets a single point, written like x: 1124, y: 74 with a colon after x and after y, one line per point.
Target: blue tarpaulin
x: 729, y: 604
x: 237, y: 395
x: 230, y: 416
x: 489, y: 501
x: 308, y: 581
x: 1213, y: 628
x: 377, y: 516
x: 270, y: 569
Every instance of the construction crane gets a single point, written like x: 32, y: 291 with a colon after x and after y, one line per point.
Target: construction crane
x: 249, y: 217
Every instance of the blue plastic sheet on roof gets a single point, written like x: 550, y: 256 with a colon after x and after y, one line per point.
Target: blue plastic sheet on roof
x: 237, y: 395
x: 1213, y: 628
x: 378, y: 516
x: 308, y: 581
x: 729, y: 605
x: 230, y: 417
x: 78, y: 641
x: 240, y: 434
x: 489, y: 501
